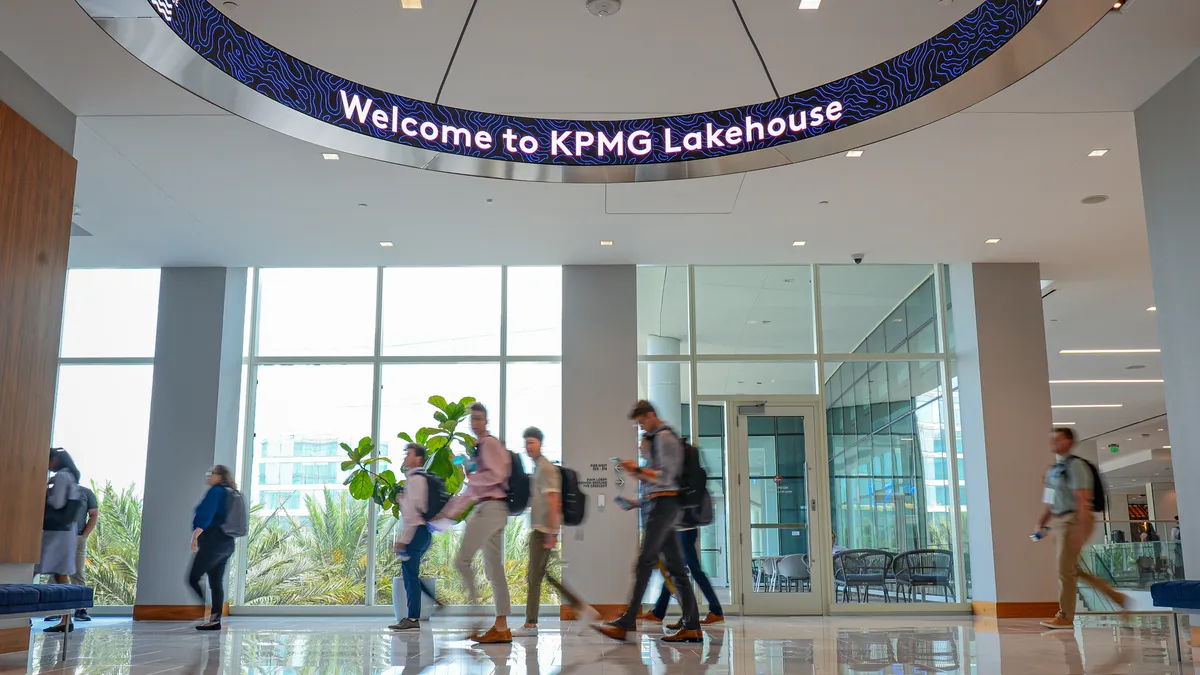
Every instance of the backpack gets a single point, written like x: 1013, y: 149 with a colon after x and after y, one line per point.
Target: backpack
x: 693, y: 485
x: 237, y: 518
x: 64, y: 519
x: 436, y: 495
x: 574, y: 500
x: 518, y: 486
x: 1099, y: 499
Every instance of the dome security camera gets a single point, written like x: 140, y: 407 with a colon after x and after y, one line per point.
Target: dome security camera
x: 858, y: 258
x: 603, y: 8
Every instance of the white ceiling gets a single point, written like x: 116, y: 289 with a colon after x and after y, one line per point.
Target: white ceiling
x: 166, y: 179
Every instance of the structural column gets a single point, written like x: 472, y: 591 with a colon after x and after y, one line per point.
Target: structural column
x: 1167, y: 147
x: 663, y: 386
x: 37, y: 186
x: 1004, y: 392
x: 193, y: 424
x: 599, y: 374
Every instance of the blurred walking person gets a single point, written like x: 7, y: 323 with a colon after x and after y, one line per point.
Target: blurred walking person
x: 415, y: 538
x: 211, y: 543
x: 60, y: 526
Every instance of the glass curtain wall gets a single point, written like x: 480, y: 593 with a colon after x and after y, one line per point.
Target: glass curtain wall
x: 102, y: 412
x: 871, y: 344
x: 335, y: 355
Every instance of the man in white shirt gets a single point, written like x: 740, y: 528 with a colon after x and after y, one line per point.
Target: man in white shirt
x: 545, y: 517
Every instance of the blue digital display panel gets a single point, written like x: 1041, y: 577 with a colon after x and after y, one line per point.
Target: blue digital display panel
x: 366, y: 110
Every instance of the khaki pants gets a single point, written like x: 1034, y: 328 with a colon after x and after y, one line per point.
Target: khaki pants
x: 485, y: 530
x: 1069, y: 571
x: 539, y: 558
x: 80, y: 560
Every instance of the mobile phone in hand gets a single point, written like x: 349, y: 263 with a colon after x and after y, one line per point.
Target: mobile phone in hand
x: 624, y: 503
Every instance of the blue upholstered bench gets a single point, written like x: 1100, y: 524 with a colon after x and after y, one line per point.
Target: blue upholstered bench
x: 1182, y: 597
x: 19, y: 601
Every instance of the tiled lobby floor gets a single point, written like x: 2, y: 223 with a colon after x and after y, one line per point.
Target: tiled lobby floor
x: 758, y: 646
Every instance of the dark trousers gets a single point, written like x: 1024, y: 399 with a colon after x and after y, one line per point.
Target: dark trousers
x: 539, y: 559
x: 658, y: 539
x: 689, y: 541
x: 214, y: 550
x: 410, y: 570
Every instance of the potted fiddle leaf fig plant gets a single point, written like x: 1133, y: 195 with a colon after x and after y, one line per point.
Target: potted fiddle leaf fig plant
x: 369, y: 481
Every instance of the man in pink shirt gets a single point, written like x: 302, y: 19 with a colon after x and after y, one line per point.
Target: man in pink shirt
x: 487, y: 489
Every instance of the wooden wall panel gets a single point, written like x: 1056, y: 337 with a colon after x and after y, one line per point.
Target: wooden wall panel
x: 37, y: 188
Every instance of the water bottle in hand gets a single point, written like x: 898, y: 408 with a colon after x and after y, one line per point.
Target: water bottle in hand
x: 1039, y: 535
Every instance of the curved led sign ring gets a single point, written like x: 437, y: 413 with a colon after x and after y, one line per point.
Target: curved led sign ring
x: 994, y: 45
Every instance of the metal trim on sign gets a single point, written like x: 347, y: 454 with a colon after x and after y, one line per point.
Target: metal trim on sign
x: 892, y: 104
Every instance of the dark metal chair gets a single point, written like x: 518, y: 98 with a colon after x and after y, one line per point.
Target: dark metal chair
x: 861, y: 569
x: 922, y: 569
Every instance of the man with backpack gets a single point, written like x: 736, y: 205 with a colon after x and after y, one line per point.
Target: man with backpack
x: 422, y: 494
x: 1073, y: 493
x: 488, y: 490
x: 667, y: 486
x: 545, y: 517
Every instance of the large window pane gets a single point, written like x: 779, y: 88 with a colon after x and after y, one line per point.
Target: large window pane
x: 662, y: 306
x: 756, y: 377
x: 534, y: 399
x: 406, y: 392
x: 668, y: 386
x: 110, y: 313
x: 308, y: 537
x: 534, y: 311
x: 102, y: 417
x: 317, y: 312
x: 441, y: 311
x: 754, y: 310
x: 889, y: 481
x: 874, y: 309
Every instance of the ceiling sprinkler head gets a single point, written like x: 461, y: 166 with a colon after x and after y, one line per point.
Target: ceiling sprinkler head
x: 603, y: 8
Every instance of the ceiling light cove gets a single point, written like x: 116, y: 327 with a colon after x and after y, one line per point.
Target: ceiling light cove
x: 1106, y: 381
x: 1088, y: 405
x: 934, y: 79
x: 410, y: 4
x: 1064, y: 424
x: 1109, y: 351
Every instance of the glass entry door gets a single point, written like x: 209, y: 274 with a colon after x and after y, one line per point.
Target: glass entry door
x: 782, y: 549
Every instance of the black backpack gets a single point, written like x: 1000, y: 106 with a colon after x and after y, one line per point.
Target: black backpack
x: 693, y: 486
x: 518, y: 486
x: 436, y: 495
x: 574, y: 500
x: 1099, y: 498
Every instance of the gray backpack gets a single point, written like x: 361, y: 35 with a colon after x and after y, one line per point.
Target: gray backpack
x: 237, y: 519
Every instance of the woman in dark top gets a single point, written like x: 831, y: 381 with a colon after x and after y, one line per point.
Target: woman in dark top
x: 211, y: 545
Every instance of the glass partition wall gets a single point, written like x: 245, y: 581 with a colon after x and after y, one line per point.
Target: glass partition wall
x: 869, y: 346
x: 335, y: 355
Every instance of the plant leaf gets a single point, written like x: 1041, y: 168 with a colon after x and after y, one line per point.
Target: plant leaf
x: 403, y: 435
x: 439, y: 416
x: 457, y: 410
x: 466, y: 401
x: 388, y: 476
x: 422, y: 436
x: 396, y: 511
x: 430, y: 432
x: 361, y: 485
x: 438, y: 402
x: 373, y: 460
x: 349, y: 450
x: 348, y: 464
x: 438, y: 442
x: 387, y: 504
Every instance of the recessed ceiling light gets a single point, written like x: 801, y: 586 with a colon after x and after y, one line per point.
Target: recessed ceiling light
x: 1110, y: 351
x: 410, y: 4
x: 1129, y: 439
x: 1094, y: 199
x: 1098, y: 152
x: 1160, y: 429
x: 488, y: 200
x: 1089, y: 405
x: 855, y: 153
x: 606, y: 242
x: 1166, y: 447
x: 1118, y: 5
x: 1105, y: 381
x: 799, y: 243
x: 1064, y: 424
x: 993, y: 240
x: 331, y: 156
x: 386, y: 244
x: 810, y: 4
x: 1152, y: 309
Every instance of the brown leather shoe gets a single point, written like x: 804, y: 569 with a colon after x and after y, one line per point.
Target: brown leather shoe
x: 494, y: 637
x: 649, y: 617
x: 685, y: 636
x: 677, y: 625
x: 711, y: 619
x: 612, y: 630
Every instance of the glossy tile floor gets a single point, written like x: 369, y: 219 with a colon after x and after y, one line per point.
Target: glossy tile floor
x: 758, y: 646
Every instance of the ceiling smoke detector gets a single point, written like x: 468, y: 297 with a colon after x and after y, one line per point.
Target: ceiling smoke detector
x: 603, y: 8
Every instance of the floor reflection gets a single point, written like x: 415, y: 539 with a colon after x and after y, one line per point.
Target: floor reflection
x: 1131, y: 645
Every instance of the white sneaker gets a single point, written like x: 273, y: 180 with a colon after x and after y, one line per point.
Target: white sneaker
x: 525, y: 631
